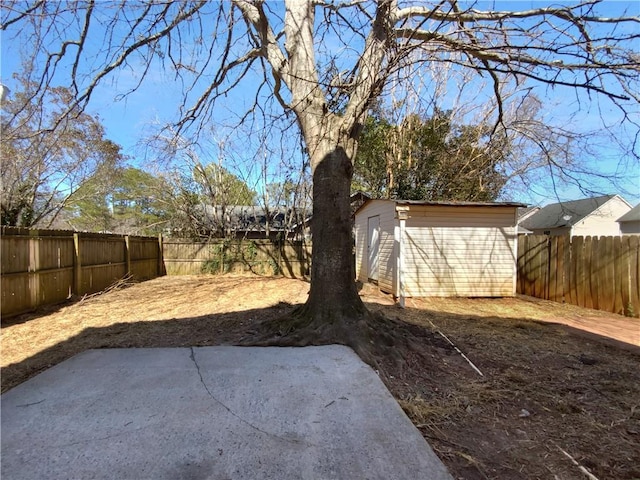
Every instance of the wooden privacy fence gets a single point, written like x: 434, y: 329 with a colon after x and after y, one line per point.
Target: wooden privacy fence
x: 592, y: 272
x: 41, y: 267
x: 264, y: 257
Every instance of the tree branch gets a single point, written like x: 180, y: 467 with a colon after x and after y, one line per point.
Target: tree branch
x: 473, y: 15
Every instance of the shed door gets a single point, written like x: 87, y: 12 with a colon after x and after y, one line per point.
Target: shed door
x: 373, y: 245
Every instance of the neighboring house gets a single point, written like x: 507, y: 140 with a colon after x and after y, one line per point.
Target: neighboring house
x: 420, y: 249
x: 357, y: 199
x: 254, y: 222
x: 595, y: 216
x: 522, y: 214
x: 630, y: 222
x: 257, y: 222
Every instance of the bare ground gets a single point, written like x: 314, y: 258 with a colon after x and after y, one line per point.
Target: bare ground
x: 553, y: 401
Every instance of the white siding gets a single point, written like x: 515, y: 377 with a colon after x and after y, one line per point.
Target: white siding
x: 386, y: 253
x: 602, y: 222
x: 360, y: 234
x: 459, y: 251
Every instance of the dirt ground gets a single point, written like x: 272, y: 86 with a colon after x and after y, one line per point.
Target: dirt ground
x: 539, y: 400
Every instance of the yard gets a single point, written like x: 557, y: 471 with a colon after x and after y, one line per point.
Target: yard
x: 552, y: 400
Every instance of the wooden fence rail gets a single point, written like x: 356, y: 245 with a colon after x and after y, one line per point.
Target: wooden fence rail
x: 42, y: 267
x: 592, y: 272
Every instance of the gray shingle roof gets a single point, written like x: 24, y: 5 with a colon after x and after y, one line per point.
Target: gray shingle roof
x: 632, y: 215
x: 564, y: 214
x: 523, y: 212
x: 252, y: 218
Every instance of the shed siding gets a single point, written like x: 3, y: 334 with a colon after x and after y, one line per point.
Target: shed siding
x: 386, y: 252
x: 360, y: 234
x: 458, y: 251
x: 446, y: 216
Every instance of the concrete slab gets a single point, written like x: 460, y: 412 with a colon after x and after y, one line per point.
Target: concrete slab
x: 211, y: 413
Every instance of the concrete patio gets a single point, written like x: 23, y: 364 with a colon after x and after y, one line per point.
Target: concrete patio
x: 211, y: 413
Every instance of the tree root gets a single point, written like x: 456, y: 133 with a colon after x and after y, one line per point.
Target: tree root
x: 385, y: 344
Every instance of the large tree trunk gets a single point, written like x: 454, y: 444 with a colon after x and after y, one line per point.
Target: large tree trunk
x: 334, y: 312
x: 333, y: 296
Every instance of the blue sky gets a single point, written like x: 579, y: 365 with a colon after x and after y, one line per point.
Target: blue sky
x: 129, y: 119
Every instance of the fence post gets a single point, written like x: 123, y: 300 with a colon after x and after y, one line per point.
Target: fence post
x: 34, y: 266
x: 223, y: 250
x: 77, y: 265
x: 127, y: 255
x: 160, y: 255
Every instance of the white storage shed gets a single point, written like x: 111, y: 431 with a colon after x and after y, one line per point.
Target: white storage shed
x: 423, y: 249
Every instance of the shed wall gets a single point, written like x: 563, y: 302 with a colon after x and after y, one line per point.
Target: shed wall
x: 459, y: 251
x: 386, y: 253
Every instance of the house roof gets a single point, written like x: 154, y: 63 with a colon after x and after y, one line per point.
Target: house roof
x: 524, y: 212
x: 359, y: 196
x: 447, y: 203
x: 253, y: 218
x: 564, y: 214
x: 632, y: 215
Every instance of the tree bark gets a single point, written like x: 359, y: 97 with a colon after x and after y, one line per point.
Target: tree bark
x: 333, y: 296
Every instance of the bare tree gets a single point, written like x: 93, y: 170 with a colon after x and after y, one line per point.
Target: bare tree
x: 43, y: 167
x: 205, y: 191
x: 276, y: 159
x: 324, y: 63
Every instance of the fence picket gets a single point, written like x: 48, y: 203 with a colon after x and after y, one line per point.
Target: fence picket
x: 618, y: 306
x: 553, y: 269
x: 577, y: 249
x: 634, y: 274
x: 567, y: 276
x: 607, y: 298
x: 540, y: 267
x: 599, y: 273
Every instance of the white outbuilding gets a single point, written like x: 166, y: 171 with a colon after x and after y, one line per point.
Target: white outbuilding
x: 437, y: 249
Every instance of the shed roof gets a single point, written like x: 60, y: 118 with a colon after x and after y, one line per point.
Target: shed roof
x: 564, y: 214
x: 446, y: 203
x: 632, y: 215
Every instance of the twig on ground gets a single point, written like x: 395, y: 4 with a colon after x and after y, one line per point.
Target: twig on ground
x: 580, y: 467
x: 453, y: 345
x: 124, y: 282
x: 458, y: 350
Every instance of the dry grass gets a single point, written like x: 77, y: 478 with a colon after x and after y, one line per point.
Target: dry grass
x: 546, y: 388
